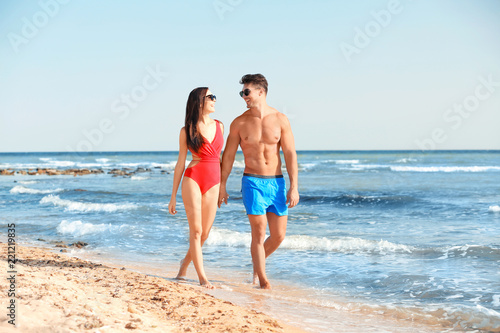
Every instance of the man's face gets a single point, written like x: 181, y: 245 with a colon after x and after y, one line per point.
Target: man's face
x: 250, y: 94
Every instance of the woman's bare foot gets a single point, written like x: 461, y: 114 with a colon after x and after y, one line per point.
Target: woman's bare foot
x: 265, y: 285
x: 207, y: 284
x: 255, y: 279
x: 182, y: 271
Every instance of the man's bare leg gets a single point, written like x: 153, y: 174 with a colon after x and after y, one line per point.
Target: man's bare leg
x: 277, y: 232
x: 258, y: 223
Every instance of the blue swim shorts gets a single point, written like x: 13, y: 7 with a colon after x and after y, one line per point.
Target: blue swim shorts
x: 263, y: 194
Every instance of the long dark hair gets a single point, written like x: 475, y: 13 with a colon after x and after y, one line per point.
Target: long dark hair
x: 194, y: 106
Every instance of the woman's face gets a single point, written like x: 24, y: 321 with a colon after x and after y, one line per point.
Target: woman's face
x: 209, y: 106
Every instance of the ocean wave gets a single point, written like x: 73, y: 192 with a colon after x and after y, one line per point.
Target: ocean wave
x: 84, y: 206
x: 496, y: 300
x: 346, y: 161
x: 61, y: 164
x: 405, y: 160
x: 27, y: 182
x: 306, y: 166
x: 445, y: 169
x: 224, y: 237
x: 469, y: 251
x: 168, y: 166
x: 102, y: 160
x: 359, y: 200
x: 312, y: 165
x: 88, y: 165
x: 78, y: 229
x: 484, y: 252
x: 19, y: 189
x: 402, y: 168
x: 239, y: 164
x: 494, y: 209
x: 344, y: 245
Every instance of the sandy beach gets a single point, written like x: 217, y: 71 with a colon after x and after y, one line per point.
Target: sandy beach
x: 58, y: 293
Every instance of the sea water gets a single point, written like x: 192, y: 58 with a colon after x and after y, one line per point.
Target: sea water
x: 409, y: 235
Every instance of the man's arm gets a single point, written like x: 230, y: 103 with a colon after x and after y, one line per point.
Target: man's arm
x: 288, y: 147
x: 233, y: 141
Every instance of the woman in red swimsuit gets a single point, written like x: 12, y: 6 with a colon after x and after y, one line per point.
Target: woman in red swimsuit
x: 203, y: 137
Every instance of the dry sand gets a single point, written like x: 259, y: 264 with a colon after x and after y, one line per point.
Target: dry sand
x: 58, y: 293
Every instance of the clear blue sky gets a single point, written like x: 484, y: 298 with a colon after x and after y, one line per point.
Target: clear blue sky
x: 115, y: 75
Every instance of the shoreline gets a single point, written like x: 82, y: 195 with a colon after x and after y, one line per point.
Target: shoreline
x: 58, y: 293
x: 127, y: 295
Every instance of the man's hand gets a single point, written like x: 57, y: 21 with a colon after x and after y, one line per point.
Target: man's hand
x: 292, y: 197
x: 223, y: 196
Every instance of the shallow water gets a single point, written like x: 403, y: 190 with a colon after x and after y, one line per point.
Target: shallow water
x: 407, y: 235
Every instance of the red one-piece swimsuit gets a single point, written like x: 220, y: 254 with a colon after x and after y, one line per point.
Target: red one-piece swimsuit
x: 206, y: 173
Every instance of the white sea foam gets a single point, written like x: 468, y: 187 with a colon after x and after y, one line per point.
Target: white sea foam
x: 169, y: 165
x: 306, y: 166
x: 88, y: 165
x: 62, y: 163
x: 346, y: 161
x: 344, y: 244
x: 138, y: 178
x: 445, y: 168
x: 102, y: 160
x: 403, y: 168
x: 406, y: 160
x: 78, y: 228
x: 27, y: 182
x: 494, y: 209
x: 19, y: 189
x: 239, y: 164
x: 84, y: 206
x: 230, y: 238
x: 45, y: 159
x: 496, y: 300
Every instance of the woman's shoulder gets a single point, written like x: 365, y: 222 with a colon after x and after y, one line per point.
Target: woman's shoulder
x: 217, y: 121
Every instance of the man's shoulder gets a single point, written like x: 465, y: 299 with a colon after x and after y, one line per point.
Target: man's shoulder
x: 281, y: 117
x: 242, y: 117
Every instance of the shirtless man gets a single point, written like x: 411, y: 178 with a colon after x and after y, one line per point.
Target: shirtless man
x: 261, y: 131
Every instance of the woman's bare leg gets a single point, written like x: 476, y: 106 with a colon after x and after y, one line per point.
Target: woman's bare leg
x: 200, y: 212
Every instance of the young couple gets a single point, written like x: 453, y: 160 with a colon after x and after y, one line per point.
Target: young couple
x: 260, y: 132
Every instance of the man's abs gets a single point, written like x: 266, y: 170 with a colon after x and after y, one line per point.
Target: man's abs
x: 262, y: 162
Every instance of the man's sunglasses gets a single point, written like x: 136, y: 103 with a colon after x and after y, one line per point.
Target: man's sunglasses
x: 212, y: 97
x: 245, y: 92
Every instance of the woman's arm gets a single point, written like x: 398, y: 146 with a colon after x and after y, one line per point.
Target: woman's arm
x: 178, y: 171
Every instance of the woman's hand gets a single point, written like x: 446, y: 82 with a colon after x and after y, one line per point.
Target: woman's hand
x: 171, y: 206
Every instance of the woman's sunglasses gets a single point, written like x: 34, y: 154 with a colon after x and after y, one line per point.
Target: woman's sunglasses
x: 212, y: 97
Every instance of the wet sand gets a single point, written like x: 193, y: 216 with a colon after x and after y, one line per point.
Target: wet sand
x: 58, y: 293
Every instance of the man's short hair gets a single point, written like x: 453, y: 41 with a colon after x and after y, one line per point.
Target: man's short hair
x: 256, y: 79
